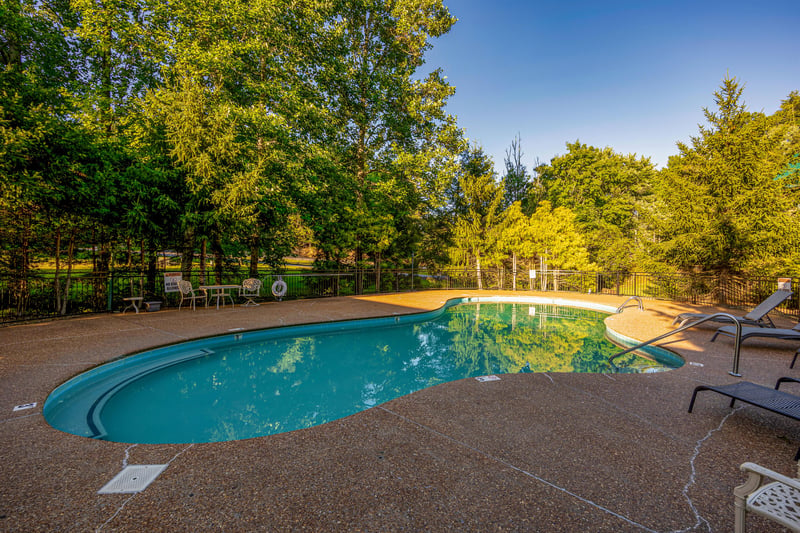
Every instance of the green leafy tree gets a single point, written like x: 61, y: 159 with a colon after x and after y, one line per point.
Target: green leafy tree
x: 389, y: 127
x: 478, y: 210
x: 721, y: 206
x: 555, y: 235
x: 606, y: 191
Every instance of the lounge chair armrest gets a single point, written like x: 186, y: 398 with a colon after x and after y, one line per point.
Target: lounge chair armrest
x: 786, y: 379
x: 756, y: 475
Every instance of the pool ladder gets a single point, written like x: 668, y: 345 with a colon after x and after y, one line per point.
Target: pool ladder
x: 736, y: 344
x: 625, y: 303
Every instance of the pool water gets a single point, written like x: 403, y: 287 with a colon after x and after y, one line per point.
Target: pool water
x: 272, y: 381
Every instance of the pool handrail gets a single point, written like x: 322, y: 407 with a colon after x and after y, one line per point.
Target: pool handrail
x: 736, y: 345
x: 625, y: 303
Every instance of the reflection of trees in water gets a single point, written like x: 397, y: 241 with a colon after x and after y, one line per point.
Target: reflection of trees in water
x: 280, y: 384
x: 506, y: 338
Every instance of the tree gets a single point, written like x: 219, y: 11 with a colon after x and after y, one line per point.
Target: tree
x: 516, y: 178
x: 388, y: 125
x: 555, y: 236
x: 477, y: 211
x: 720, y: 206
x: 606, y: 192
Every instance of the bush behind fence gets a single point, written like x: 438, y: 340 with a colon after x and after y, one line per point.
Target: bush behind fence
x: 45, y: 296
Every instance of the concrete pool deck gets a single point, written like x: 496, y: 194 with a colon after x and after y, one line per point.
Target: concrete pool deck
x: 530, y: 452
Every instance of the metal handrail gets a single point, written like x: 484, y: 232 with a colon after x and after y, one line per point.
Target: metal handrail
x: 736, y: 345
x: 625, y: 303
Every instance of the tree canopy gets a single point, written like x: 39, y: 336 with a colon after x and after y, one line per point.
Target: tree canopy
x: 237, y: 129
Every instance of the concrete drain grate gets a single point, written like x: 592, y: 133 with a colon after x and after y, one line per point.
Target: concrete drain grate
x: 133, y: 478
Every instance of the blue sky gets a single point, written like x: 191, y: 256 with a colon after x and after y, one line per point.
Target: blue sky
x: 633, y: 76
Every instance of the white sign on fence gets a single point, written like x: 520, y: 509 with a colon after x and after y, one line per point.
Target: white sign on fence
x: 532, y: 274
x: 171, y: 280
x: 785, y: 284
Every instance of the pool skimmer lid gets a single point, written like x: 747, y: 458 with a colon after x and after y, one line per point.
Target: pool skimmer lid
x: 132, y: 479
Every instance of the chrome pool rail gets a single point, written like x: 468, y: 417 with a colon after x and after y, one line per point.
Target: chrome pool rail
x: 625, y: 303
x: 736, y: 345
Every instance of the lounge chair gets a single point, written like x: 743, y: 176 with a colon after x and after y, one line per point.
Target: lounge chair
x: 790, y: 334
x: 757, y: 317
x: 774, y: 400
x: 768, y: 494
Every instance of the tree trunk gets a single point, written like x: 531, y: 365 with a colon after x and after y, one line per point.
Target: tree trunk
x: 254, y: 253
x: 128, y: 253
x: 359, y: 288
x: 203, y: 266
x: 478, y: 268
x: 57, y: 276
x: 514, y: 268
x: 187, y: 254
x: 377, y: 272
x: 68, y: 281
x: 219, y: 257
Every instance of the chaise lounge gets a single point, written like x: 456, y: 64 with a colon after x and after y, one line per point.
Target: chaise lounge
x: 790, y: 334
x: 774, y: 400
x: 759, y: 316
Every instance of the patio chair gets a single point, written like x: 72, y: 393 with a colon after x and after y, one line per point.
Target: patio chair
x: 789, y: 334
x: 768, y: 494
x: 133, y: 300
x: 774, y: 400
x: 251, y: 288
x: 188, y: 293
x: 759, y: 316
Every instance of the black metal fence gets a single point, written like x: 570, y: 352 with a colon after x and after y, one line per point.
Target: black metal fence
x: 48, y: 296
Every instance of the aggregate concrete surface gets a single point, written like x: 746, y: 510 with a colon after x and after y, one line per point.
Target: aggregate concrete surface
x: 546, y: 452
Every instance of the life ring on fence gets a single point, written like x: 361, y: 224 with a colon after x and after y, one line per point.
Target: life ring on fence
x: 279, y: 289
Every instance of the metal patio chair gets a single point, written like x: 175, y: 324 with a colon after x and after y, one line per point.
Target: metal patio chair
x: 188, y: 293
x: 251, y: 288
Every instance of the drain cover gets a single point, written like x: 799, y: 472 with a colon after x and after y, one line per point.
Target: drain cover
x: 133, y: 478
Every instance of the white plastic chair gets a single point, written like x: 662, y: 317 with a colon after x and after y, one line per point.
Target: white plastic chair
x: 251, y: 288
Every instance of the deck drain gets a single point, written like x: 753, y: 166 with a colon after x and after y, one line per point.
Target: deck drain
x: 484, y: 379
x: 133, y: 478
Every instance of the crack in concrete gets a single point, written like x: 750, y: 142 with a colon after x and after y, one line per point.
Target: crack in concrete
x: 520, y: 470
x: 127, y: 455
x: 699, y: 520
x: 132, y: 496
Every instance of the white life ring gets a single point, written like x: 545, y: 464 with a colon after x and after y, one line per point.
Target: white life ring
x: 279, y: 289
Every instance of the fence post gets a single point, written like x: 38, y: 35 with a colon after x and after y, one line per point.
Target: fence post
x: 110, y: 291
x: 617, y: 282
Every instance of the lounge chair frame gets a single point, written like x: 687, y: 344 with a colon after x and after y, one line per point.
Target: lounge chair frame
x: 758, y: 316
x: 774, y: 400
x: 790, y: 334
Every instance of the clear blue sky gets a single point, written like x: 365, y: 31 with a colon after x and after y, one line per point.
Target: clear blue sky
x: 630, y: 75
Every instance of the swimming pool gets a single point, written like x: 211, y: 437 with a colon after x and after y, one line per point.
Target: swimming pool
x: 271, y: 381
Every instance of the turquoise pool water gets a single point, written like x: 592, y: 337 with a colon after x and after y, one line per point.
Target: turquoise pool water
x: 271, y: 381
